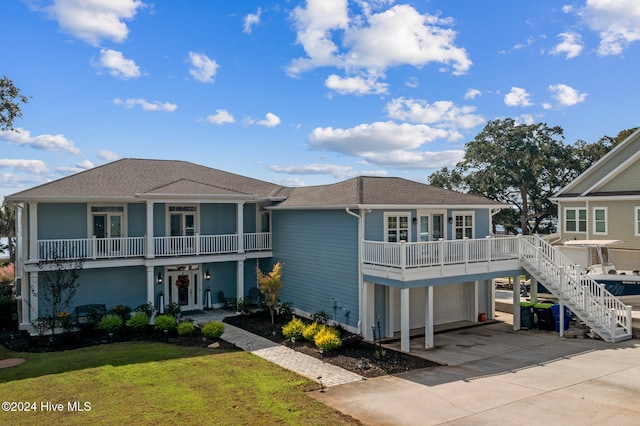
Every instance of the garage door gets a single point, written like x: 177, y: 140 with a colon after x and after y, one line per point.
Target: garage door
x: 451, y: 303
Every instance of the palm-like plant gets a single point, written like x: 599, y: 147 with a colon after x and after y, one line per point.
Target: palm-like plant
x: 8, y: 228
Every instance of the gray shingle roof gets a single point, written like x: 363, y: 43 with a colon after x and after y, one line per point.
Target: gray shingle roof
x: 131, y: 177
x: 366, y: 190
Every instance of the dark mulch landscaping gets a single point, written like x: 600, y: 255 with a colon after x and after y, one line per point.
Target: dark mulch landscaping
x: 347, y: 357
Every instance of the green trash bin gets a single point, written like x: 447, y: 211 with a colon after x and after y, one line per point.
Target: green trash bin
x: 526, y: 315
x: 544, y: 316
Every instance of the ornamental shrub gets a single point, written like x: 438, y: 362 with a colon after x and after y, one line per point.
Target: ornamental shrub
x: 111, y: 323
x: 147, y: 308
x: 327, y: 339
x: 172, y: 309
x: 311, y: 330
x: 294, y: 328
x: 138, y: 322
x: 165, y: 322
x: 213, y: 329
x: 186, y: 328
x: 122, y: 311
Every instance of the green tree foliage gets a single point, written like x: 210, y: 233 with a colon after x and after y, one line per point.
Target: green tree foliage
x: 522, y: 165
x: 10, y: 99
x: 270, y: 285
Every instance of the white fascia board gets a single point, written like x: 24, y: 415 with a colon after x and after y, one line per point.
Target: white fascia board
x: 595, y: 198
x: 395, y: 207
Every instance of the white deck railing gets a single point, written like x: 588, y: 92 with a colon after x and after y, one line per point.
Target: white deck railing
x: 126, y: 247
x: 439, y: 253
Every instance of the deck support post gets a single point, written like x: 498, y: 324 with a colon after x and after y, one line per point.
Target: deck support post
x: 240, y: 280
x: 516, y: 303
x: 428, y: 320
x: 405, y: 331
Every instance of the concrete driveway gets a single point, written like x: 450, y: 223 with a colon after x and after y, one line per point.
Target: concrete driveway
x: 497, y: 376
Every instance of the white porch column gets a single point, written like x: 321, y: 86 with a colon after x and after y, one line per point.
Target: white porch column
x: 151, y: 279
x: 240, y: 280
x: 368, y: 310
x: 474, y: 303
x: 240, y: 226
x: 491, y: 290
x: 32, y: 296
x: 150, y: 246
x: 33, y: 232
x: 516, y: 303
x: 405, y: 330
x: 428, y: 319
x: 19, y: 241
x: 391, y: 310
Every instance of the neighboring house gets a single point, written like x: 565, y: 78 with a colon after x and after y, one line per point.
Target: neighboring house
x: 603, y: 203
x: 375, y: 253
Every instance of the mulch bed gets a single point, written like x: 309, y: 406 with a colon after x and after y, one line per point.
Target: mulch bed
x: 348, y: 357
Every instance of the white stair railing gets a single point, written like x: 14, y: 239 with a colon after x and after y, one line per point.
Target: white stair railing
x: 589, y: 300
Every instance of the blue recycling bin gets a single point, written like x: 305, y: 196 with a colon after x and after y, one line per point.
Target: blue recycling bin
x: 568, y: 316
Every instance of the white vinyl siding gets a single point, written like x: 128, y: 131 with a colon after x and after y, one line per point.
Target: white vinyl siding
x: 599, y: 220
x: 575, y: 220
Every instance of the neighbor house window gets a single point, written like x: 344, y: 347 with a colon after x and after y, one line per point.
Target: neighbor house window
x: 396, y: 227
x: 600, y: 220
x: 575, y: 220
x: 636, y: 221
x: 463, y: 225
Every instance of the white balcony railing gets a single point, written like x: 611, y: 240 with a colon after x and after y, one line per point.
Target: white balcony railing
x: 126, y: 247
x: 438, y: 253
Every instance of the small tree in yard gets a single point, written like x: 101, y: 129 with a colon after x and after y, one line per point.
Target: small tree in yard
x: 270, y: 286
x: 58, y: 285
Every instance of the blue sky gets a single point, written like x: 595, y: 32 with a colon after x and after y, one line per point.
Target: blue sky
x: 306, y: 92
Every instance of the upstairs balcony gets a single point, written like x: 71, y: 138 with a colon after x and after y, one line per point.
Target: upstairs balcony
x: 137, y: 247
x: 407, y: 261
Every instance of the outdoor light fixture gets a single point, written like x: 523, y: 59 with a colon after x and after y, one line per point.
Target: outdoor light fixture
x: 207, y: 275
x: 415, y: 220
x: 159, y: 279
x: 450, y: 220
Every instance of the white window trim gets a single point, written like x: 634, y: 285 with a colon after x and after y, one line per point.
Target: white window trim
x: 90, y: 213
x: 396, y: 214
x: 577, y: 210
x: 471, y: 213
x: 636, y: 221
x: 606, y: 220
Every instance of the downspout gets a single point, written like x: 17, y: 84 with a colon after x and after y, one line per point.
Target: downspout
x: 360, y: 280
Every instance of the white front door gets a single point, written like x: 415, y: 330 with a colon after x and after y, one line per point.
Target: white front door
x: 184, y: 288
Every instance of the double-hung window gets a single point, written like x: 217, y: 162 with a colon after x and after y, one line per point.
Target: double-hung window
x: 463, y: 225
x: 575, y: 220
x: 600, y: 220
x: 396, y: 227
x: 636, y: 220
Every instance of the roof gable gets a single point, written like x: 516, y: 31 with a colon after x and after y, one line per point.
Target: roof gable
x: 609, y: 172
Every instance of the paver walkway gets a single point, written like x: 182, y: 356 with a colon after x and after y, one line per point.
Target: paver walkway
x: 326, y: 374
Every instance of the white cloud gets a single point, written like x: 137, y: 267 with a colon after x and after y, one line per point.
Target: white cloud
x: 79, y: 167
x: 316, y: 169
x: 290, y: 181
x: 355, y: 85
x: 107, y: 155
x: 616, y: 22
x: 372, y: 43
x: 517, y: 97
x: 270, y: 120
x: 251, y: 20
x: 222, y: 116
x: 527, y: 119
x: 9, y: 180
x: 44, y: 142
x: 117, y: 64
x: 440, y: 113
x: 472, y: 94
x: 94, y: 20
x: 387, y: 144
x: 203, y: 69
x: 31, y: 166
x: 566, y: 95
x: 146, y: 105
x: 571, y: 45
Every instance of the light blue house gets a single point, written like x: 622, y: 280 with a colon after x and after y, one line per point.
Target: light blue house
x: 375, y: 253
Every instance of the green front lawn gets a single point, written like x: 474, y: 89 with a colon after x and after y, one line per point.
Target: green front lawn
x: 145, y: 383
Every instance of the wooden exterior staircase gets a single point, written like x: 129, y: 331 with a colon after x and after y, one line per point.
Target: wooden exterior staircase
x: 600, y: 310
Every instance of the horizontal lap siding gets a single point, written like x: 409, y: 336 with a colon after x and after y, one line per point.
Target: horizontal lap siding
x: 217, y: 219
x: 62, y: 221
x: 320, y: 252
x: 137, y: 220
